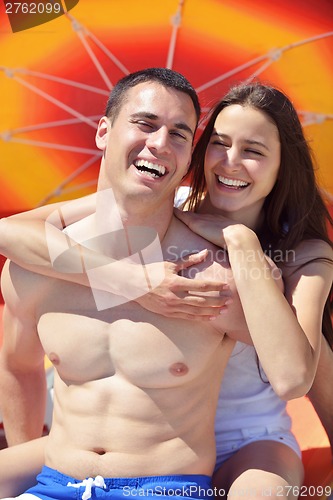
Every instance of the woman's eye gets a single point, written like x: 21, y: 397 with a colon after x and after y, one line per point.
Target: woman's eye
x: 255, y: 152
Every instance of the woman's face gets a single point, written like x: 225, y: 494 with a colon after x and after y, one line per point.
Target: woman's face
x: 242, y: 162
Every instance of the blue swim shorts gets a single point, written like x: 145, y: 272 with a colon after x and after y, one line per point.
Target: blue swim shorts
x: 53, y: 485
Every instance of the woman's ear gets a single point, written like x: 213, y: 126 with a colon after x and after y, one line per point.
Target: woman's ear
x: 101, y: 137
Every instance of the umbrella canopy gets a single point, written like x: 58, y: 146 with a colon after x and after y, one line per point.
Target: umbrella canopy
x: 55, y: 78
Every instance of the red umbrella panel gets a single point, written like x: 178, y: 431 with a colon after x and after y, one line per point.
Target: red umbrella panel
x: 55, y: 78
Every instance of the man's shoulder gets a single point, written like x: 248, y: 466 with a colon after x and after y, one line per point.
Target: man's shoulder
x: 19, y: 284
x: 187, y: 242
x: 11, y: 270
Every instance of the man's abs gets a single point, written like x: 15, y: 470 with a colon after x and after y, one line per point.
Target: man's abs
x: 135, y: 393
x: 112, y: 428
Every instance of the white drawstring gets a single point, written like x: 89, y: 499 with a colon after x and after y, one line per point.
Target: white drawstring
x: 89, y: 483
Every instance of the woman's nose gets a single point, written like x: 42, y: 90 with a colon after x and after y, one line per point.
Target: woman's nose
x: 232, y: 159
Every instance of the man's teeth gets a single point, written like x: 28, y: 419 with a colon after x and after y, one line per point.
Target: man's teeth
x: 151, y: 169
x: 232, y: 182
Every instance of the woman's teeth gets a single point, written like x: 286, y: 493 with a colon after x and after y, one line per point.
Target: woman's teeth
x: 231, y: 182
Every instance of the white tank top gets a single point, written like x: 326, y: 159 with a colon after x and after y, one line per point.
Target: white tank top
x: 246, y: 399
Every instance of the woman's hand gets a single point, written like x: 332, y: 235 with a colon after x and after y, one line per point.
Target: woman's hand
x: 180, y: 297
x: 208, y: 226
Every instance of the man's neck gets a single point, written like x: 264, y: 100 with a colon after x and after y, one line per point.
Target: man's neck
x: 143, y: 213
x: 156, y: 221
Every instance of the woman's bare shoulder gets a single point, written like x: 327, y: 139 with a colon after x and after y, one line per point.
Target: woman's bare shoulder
x: 308, y: 252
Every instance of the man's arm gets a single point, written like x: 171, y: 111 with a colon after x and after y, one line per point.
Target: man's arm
x: 24, y: 236
x: 321, y: 392
x: 22, y: 375
x: 31, y: 239
x: 19, y: 466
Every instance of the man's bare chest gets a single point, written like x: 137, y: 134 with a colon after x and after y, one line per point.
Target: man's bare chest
x: 147, y: 349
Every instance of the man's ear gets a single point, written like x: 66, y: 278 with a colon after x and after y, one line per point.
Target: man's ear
x: 101, y: 137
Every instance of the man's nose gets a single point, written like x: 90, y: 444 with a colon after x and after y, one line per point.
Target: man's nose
x: 159, y: 140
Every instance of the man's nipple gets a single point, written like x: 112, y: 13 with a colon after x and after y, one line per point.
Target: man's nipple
x: 54, y: 358
x: 178, y: 369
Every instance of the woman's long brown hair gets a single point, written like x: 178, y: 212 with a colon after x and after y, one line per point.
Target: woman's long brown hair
x: 294, y: 210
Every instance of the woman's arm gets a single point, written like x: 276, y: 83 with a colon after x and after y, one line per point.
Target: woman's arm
x: 19, y: 466
x: 285, y: 328
x: 34, y: 240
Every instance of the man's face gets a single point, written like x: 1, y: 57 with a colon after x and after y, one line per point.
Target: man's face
x: 147, y: 149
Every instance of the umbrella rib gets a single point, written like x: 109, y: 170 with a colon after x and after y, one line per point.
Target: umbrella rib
x: 224, y: 76
x: 78, y: 171
x: 65, y: 191
x: 176, y: 23
x: 310, y: 118
x: 108, y: 53
x: 76, y: 26
x: 307, y: 40
x: 94, y: 59
x: 55, y: 101
x: 260, y: 70
x: 79, y: 186
x: 59, y: 189
x: 42, y: 126
x: 272, y: 56
x: 58, y: 79
x: 49, y: 145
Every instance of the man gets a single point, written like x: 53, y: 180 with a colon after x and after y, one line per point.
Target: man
x: 135, y: 393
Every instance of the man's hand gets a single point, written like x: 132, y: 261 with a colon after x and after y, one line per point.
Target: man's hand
x: 180, y: 297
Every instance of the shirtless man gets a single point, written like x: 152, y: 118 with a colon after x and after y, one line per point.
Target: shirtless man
x: 135, y: 393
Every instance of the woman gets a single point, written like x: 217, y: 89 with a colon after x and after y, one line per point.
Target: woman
x: 254, y: 193
x: 253, y: 137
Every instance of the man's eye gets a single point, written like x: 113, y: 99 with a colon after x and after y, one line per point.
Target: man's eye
x: 179, y: 135
x: 144, y: 124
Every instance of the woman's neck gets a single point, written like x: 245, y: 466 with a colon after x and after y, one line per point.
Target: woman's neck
x: 253, y: 219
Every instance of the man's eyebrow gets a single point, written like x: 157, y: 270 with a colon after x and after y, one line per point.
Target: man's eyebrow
x: 248, y: 141
x: 186, y: 128
x: 152, y: 116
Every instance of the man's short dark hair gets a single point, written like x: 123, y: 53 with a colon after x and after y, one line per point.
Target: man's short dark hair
x: 163, y: 76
